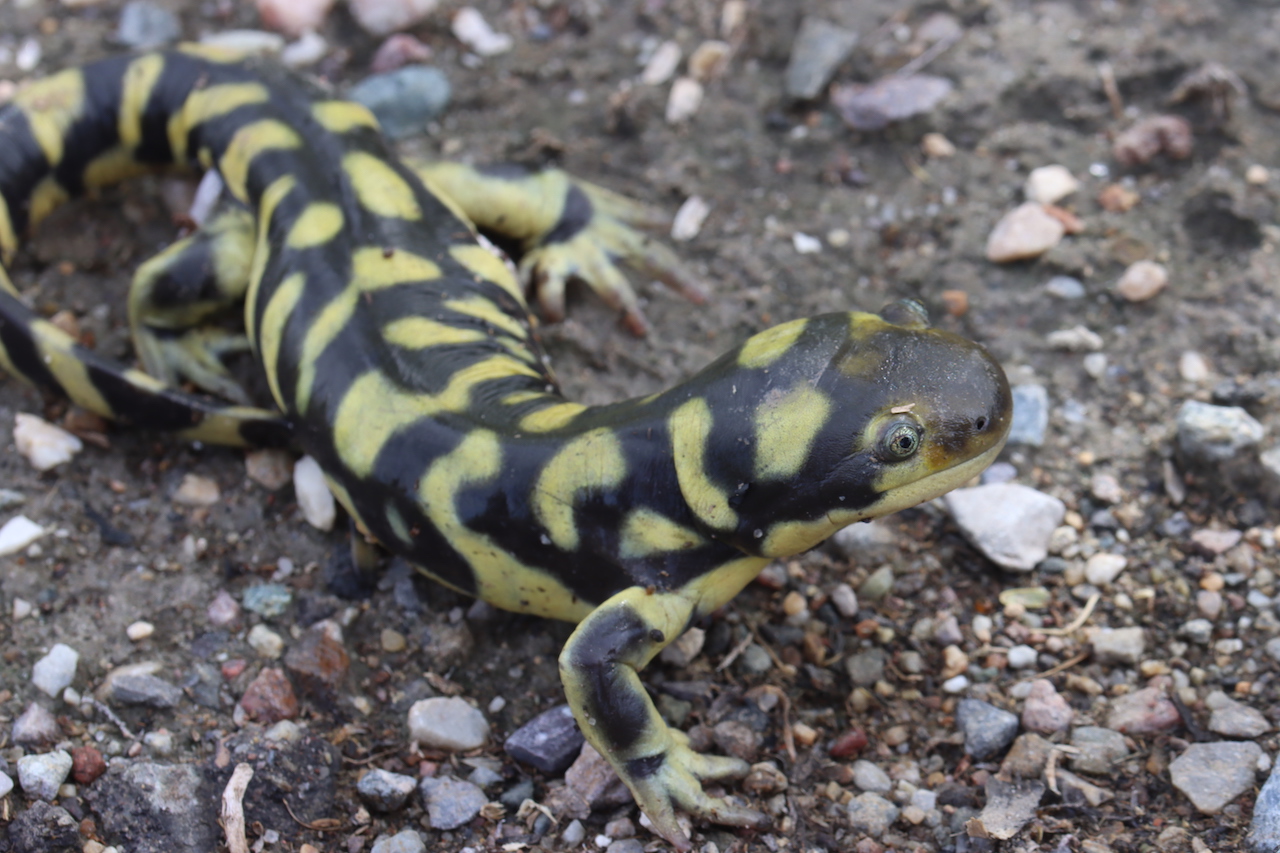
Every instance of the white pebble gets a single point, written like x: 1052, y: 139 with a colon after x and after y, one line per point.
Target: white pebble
x: 384, y: 17
x: 1102, y: 569
x: 44, y: 445
x: 958, y: 684
x: 140, y: 630
x: 709, y: 59
x: 806, y: 244
x: 245, y: 41
x: 684, y: 100
x: 663, y: 64
x: 56, y: 670
x: 1075, y: 339
x: 21, y: 609
x: 309, y: 49
x: 196, y: 490
x: 17, y: 533
x: 689, y: 218
x: 28, y: 55
x: 936, y: 146
x: 1142, y: 280
x: 1257, y: 174
x: 265, y: 642
x: 293, y: 17
x: 314, y: 497
x: 474, y: 31
x: 1022, y: 657
x: 1050, y: 184
x: 1192, y: 366
x: 1027, y: 231
x: 1095, y: 364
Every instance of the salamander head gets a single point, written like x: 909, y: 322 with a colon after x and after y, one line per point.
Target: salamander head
x: 815, y: 424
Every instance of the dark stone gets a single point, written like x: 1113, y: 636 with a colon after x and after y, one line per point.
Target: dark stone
x: 549, y: 742
x: 43, y: 828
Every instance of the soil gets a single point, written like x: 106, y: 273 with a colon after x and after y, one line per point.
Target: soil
x: 892, y: 222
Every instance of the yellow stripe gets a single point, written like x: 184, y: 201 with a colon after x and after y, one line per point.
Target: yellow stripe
x: 690, y: 426
x: 342, y: 116
x: 8, y: 237
x: 423, y: 332
x: 483, y: 309
x: 139, y: 82
x: 646, y: 532
x: 380, y: 189
x: 315, y: 226
x: 271, y: 198
x: 55, y: 348
x: 209, y: 103
x: 770, y: 345
x: 371, y: 412
x: 552, y: 417
x: 52, y: 106
x: 486, y: 266
x: 590, y: 462
x: 45, y: 198
x: 785, y: 428
x: 113, y: 166
x: 247, y: 144
x: 278, y: 311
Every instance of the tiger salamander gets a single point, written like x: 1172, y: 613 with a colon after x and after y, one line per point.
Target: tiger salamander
x: 400, y: 355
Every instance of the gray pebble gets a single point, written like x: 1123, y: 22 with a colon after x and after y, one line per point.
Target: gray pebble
x: 868, y: 777
x: 36, y: 726
x: 383, y: 791
x: 41, y: 775
x: 872, y: 814
x: 10, y: 498
x: 1009, y: 523
x: 267, y: 599
x: 1210, y: 434
x: 405, y: 841
x: 877, y: 584
x: 574, y: 834
x: 999, y: 472
x: 1235, y: 719
x: 1064, y: 287
x: 1197, y: 631
x: 166, y: 805
x: 144, y: 25
x: 1022, y: 657
x: 625, y: 845
x: 517, y: 794
x: 1030, y: 415
x: 865, y: 541
x: 42, y: 828
x: 845, y: 599
x: 404, y: 100
x: 139, y: 688
x: 1273, y: 648
x: 1264, y: 832
x: 484, y: 777
x: 1213, y: 774
x: 819, y: 48
x: 1099, y: 750
x: 1120, y: 645
x: 6, y: 784
x: 54, y: 672
x: 447, y: 723
x: 947, y: 631
x: 451, y: 802
x: 754, y: 660
x: 987, y: 729
x: 549, y: 742
x: 866, y: 667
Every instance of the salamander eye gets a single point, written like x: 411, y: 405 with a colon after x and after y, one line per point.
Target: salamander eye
x: 900, y: 440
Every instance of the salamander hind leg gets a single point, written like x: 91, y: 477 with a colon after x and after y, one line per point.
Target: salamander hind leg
x: 599, y: 667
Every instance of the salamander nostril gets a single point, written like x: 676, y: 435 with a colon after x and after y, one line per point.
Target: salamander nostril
x: 980, y: 423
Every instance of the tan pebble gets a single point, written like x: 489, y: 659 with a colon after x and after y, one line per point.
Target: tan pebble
x: 1027, y: 231
x: 956, y: 302
x: 732, y: 16
x: 139, y: 630
x: 954, y: 661
x: 937, y: 146
x: 1074, y: 519
x: 896, y: 735
x: 271, y: 469
x: 1142, y: 280
x: 1106, y: 488
x: 684, y: 100
x: 1117, y: 198
x: 804, y: 735
x: 709, y: 59
x: 1152, y: 668
x: 838, y: 238
x: 392, y: 640
x: 1212, y: 581
x: 1257, y: 175
x: 794, y: 604
x: 293, y: 17
x: 197, y: 491
x: 913, y: 815
x: 41, y: 443
x: 1050, y: 184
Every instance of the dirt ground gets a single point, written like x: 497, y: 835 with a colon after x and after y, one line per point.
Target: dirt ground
x: 892, y: 222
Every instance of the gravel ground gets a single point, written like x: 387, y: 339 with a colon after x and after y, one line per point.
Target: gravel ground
x: 1078, y: 655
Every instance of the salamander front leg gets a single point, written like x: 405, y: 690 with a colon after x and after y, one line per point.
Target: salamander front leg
x: 599, y: 667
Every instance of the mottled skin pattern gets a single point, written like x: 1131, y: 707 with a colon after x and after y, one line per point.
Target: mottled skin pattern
x: 399, y: 354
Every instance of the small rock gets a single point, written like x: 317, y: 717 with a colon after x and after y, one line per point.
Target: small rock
x: 137, y: 684
x: 1101, y: 569
x: 1257, y: 175
x: 1030, y: 415
x: 35, y: 726
x: 404, y: 100
x: 160, y: 808
x: 1095, y: 364
x: 987, y: 729
x: 866, y: 667
x: 145, y: 25
x: 1010, y: 805
x: 1027, y: 758
x: 1198, y: 631
x: 1209, y: 603
x: 947, y: 631
x: 41, y: 775
x: 404, y: 841
x: 9, y: 498
x: 1215, y: 542
x: 754, y: 660
x: 877, y: 584
x: 41, y: 443
x: 447, y: 723
x: 1141, y: 281
x: 1046, y: 710
x: 1119, y: 645
x: 685, y: 649
x: 223, y: 611
x: 817, y: 51
x: 684, y: 100
x: 1235, y: 719
x: 451, y: 802
x: 383, y: 17
x: 550, y: 741
x: 872, y: 814
x: 293, y: 17
x: 936, y: 146
x: 1209, y: 434
x: 45, y: 828
x: 1027, y: 231
x: 309, y: 49
x: 87, y: 764
x: 845, y: 600
x: 195, y: 490
x: 314, y: 498
x: 1009, y: 523
x: 470, y: 28
x: 17, y: 533
x: 763, y: 779
x: 319, y: 661
x: 268, y: 599
x: 265, y: 642
x: 1098, y: 750
x: 6, y: 785
x: 573, y: 835
x: 689, y: 218
x: 662, y: 64
x: 1065, y: 287
x: 139, y: 631
x: 271, y: 469
x: 1050, y: 184
x: 392, y: 641
x: 385, y: 792
x: 736, y: 739
x: 269, y: 698
x: 54, y: 672
x: 710, y: 59
x: 1193, y: 367
x: 247, y: 42
x: 889, y: 99
x: 1145, y: 711
x: 805, y: 244
x: 1151, y: 136
x: 1264, y: 830
x: 398, y: 51
x: 593, y: 780
x: 868, y: 777
x: 1211, y: 775
x: 1022, y: 657
x: 1075, y: 339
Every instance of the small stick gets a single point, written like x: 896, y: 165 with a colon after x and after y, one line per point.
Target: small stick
x: 233, y: 808
x: 1112, y: 91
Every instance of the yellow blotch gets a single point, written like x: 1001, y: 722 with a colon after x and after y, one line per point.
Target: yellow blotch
x: 785, y: 429
x: 646, y: 532
x: 139, y: 81
x: 483, y: 309
x: 551, y: 418
x: 590, y: 462
x: 212, y: 52
x: 271, y: 198
x: 113, y: 166
x: 690, y: 426
x: 52, y: 106
x: 209, y: 103
x: 770, y: 345
x: 270, y: 334
x: 342, y: 116
x: 372, y: 411
x: 501, y: 579
x: 380, y: 188
x: 374, y: 269
x: 8, y: 237
x: 423, y: 332
x: 456, y: 397
x: 719, y: 586
x: 48, y: 195
x: 249, y: 142
x: 788, y: 538
x: 319, y: 223
x: 223, y: 426
x: 56, y: 351
x: 486, y: 266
